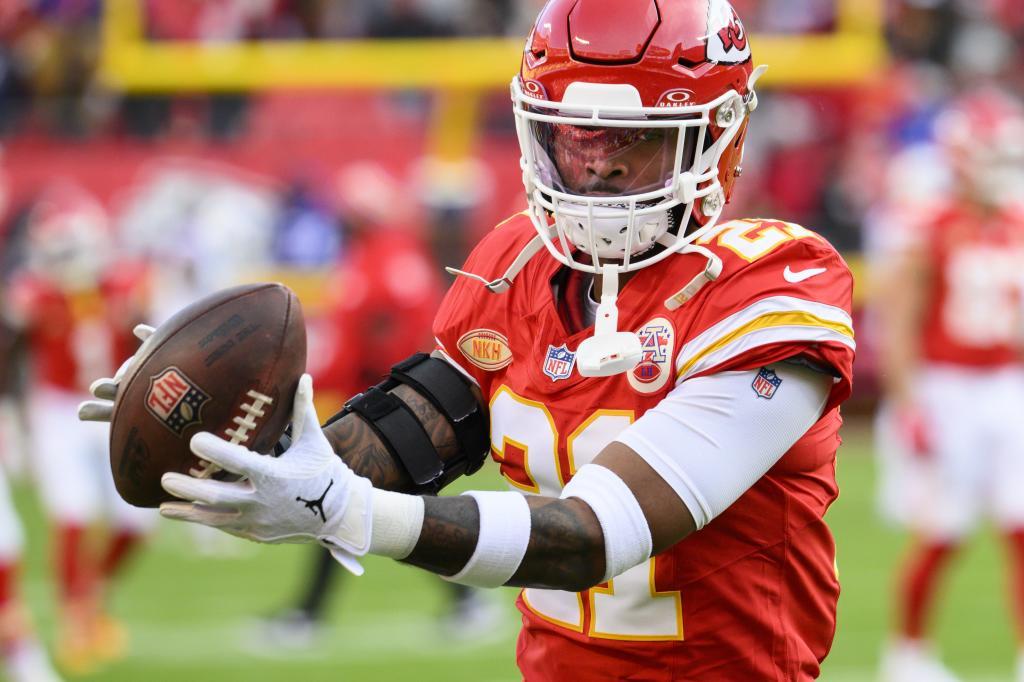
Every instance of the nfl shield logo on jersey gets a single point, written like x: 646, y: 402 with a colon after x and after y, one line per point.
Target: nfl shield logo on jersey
x: 559, y: 362
x: 175, y: 400
x: 766, y: 383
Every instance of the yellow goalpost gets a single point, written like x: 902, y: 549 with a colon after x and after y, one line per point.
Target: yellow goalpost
x: 850, y: 54
x: 460, y: 70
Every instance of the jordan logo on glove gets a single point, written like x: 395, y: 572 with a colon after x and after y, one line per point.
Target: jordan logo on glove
x: 317, y: 506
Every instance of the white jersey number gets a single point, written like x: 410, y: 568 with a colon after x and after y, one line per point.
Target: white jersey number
x: 754, y: 239
x: 526, y: 443
x: 983, y: 306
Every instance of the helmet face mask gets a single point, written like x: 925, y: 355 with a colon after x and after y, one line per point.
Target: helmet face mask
x: 619, y: 158
x: 613, y: 185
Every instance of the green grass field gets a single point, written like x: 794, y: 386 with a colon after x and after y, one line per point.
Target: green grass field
x: 191, y: 617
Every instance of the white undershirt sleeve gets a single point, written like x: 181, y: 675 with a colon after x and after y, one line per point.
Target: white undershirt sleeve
x: 713, y: 437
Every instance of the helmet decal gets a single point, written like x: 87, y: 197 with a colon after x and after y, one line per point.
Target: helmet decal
x: 534, y: 89
x: 679, y: 97
x: 727, y: 39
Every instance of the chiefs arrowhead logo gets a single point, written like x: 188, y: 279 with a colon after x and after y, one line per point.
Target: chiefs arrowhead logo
x: 733, y: 36
x: 727, y: 38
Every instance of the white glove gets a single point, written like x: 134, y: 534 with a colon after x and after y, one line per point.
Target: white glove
x: 105, y: 389
x: 306, y: 495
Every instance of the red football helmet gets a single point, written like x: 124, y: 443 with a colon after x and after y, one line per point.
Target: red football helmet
x: 631, y: 116
x: 69, y: 239
x: 982, y: 133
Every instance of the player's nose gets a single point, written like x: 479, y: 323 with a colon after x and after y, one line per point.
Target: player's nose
x: 606, y: 169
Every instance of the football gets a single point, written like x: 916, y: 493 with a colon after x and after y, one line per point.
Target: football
x: 228, y: 364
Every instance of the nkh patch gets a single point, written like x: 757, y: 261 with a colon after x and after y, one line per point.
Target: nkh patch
x: 486, y: 349
x: 559, y: 362
x: 766, y: 383
x: 175, y: 400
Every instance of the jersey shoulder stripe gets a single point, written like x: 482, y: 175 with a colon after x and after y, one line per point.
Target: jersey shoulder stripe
x: 772, y: 320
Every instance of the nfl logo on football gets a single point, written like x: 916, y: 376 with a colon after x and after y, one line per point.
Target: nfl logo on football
x: 766, y: 383
x: 559, y: 362
x: 175, y: 400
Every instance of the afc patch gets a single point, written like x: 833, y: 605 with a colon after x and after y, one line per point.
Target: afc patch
x: 486, y: 349
x: 175, y: 400
x: 766, y: 383
x: 657, y: 340
x: 559, y: 362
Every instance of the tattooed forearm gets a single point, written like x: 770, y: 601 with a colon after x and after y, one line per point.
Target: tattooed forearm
x: 361, y: 449
x: 566, y: 550
x: 451, y: 526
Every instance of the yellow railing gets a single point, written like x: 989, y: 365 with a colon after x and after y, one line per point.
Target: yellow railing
x: 851, y: 54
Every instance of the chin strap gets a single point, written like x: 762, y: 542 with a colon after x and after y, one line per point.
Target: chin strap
x: 711, y: 272
x: 504, y: 283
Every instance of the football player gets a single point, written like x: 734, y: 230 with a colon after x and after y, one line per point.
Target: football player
x: 659, y: 388
x: 24, y: 659
x: 77, y: 317
x: 953, y: 334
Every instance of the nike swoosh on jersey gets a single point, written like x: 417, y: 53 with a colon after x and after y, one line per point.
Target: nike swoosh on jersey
x: 803, y: 275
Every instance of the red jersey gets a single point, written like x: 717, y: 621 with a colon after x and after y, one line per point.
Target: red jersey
x: 975, y: 292
x: 753, y: 595
x: 75, y: 337
x: 384, y: 299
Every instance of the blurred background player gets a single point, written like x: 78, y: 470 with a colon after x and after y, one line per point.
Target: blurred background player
x: 381, y: 304
x: 23, y: 656
x: 953, y: 338
x: 76, y: 305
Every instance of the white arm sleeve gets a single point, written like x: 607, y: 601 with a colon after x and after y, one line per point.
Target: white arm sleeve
x: 713, y: 437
